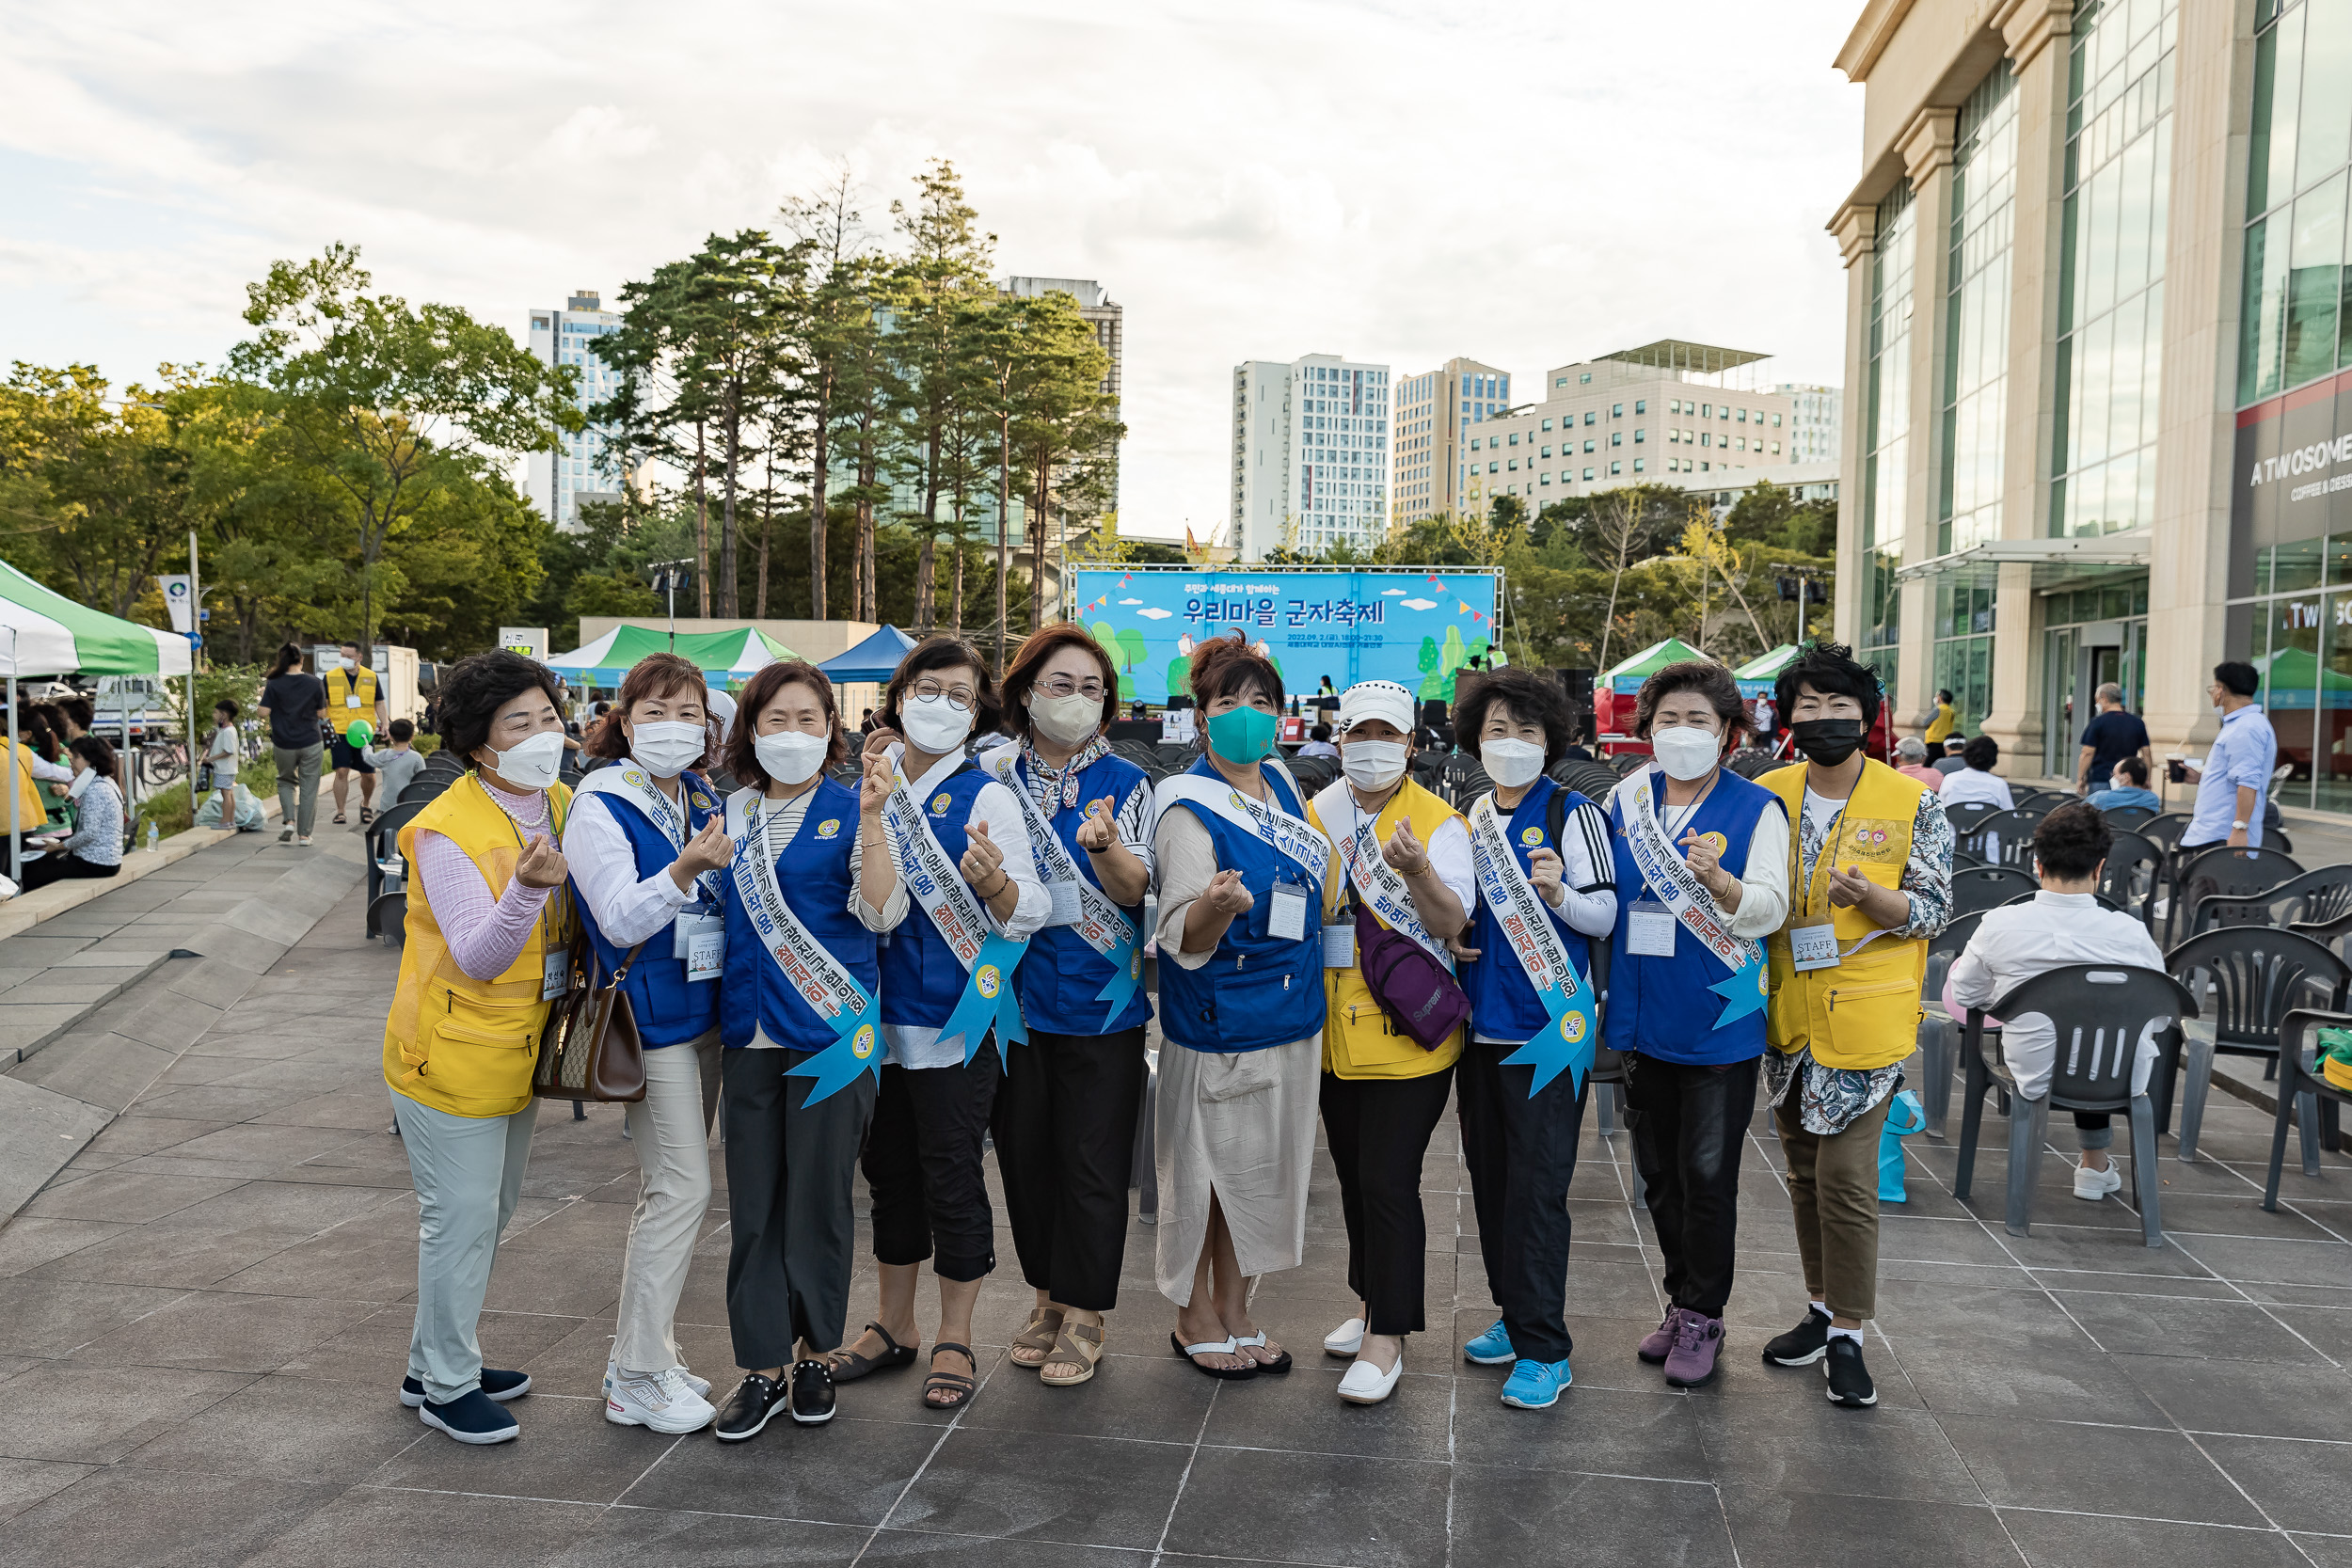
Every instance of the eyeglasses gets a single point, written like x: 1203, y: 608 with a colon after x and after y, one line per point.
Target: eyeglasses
x: 959, y: 697
x: 1062, y: 686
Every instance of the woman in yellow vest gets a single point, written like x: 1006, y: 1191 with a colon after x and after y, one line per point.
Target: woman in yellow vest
x: 1407, y: 856
x: 488, y: 942
x: 1870, y: 881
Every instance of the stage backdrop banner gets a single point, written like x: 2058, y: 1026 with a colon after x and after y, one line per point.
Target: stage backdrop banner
x: 1416, y: 627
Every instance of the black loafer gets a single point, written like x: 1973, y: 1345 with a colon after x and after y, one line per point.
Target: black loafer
x: 1802, y: 1345
x: 812, y: 1393
x: 749, y: 1409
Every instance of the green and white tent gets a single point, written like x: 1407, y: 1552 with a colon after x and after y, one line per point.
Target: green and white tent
x: 1628, y: 676
x: 724, y: 656
x: 1758, y: 675
x: 44, y: 633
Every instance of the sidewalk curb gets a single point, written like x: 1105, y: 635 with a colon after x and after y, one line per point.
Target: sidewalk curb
x: 27, y: 909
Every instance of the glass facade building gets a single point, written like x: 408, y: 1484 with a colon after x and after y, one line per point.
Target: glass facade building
x: 1886, y: 434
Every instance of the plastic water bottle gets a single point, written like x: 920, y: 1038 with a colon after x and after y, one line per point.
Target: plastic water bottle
x: 151, y: 835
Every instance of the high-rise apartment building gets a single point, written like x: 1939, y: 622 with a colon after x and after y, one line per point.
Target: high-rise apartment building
x: 557, y: 483
x: 1434, y: 410
x: 1667, y: 408
x: 1109, y: 319
x: 1311, y: 454
x: 1816, y: 421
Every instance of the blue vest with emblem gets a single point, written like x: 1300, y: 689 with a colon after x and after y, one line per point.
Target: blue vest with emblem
x: 1061, y: 979
x: 668, y: 1007
x: 1256, y: 991
x: 1501, y: 998
x: 921, y: 978
x: 1663, y: 1008
x: 813, y: 875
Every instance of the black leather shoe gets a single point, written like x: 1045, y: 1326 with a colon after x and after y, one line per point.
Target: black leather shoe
x: 812, y: 1393
x: 749, y: 1409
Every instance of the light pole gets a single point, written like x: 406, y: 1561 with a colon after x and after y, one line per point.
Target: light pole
x: 667, y: 576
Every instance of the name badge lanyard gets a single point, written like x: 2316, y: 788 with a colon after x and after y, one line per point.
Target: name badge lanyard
x: 1651, y: 926
x: 1814, y: 944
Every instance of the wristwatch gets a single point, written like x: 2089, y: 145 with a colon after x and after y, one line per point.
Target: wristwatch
x: 2238, y: 827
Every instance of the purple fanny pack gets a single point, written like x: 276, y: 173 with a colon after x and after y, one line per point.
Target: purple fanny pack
x: 1410, y: 985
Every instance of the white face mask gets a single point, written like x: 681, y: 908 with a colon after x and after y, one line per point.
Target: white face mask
x: 1686, y: 751
x: 531, y: 763
x: 790, y: 756
x: 933, y: 725
x: 1372, y: 764
x: 350, y: 664
x: 1511, y: 763
x: 667, y: 748
x: 1070, y: 720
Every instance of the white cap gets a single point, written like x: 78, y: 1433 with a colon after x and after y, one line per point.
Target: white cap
x: 720, y: 706
x: 1376, y: 699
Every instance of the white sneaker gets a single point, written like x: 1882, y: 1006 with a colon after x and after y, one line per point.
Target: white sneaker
x: 1345, y: 1341
x: 2092, y: 1185
x: 663, y: 1402
x: 1365, y: 1384
x: 700, y: 1385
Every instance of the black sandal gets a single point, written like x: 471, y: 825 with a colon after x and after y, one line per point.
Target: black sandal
x: 853, y: 1366
x: 950, y: 1383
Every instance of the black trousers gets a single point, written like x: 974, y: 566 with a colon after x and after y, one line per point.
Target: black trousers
x: 923, y: 1166
x: 1521, y: 1153
x: 1689, y: 1125
x: 55, y: 867
x: 1378, y: 1130
x: 791, y: 1204
x: 1065, y: 1127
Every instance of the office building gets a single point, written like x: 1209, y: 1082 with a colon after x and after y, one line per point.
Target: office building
x: 1109, y: 319
x: 1816, y: 421
x: 1642, y: 415
x: 2096, y: 333
x: 1433, y: 411
x: 1311, y: 455
x: 557, y: 483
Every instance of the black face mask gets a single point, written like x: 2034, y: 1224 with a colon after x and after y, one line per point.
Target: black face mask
x: 1827, y: 741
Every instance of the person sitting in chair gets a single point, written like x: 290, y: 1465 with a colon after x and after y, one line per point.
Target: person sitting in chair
x: 2128, y: 787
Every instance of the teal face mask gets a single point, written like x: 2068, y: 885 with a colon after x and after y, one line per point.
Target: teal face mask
x: 1241, y: 734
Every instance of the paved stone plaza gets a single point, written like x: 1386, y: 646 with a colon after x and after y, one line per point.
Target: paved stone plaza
x: 202, y: 1325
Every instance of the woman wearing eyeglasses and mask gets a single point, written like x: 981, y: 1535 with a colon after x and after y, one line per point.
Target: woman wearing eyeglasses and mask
x: 963, y: 853
x: 1065, y: 1118
x: 1702, y: 879
x: 1241, y: 879
x: 488, y: 948
x: 811, y: 883
x: 643, y: 844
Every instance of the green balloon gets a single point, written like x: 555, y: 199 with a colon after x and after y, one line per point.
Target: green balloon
x: 361, y: 735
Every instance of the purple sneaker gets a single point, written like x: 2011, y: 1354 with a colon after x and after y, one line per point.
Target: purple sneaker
x: 1660, y: 1339
x: 1698, y: 1342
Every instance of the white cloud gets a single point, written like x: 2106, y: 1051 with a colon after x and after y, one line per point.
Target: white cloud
x: 1130, y: 601
x: 1410, y: 604
x: 1154, y: 613
x: 1392, y: 592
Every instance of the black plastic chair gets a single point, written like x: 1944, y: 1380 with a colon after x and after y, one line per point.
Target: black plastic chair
x: 2134, y: 875
x: 2099, y: 1013
x: 383, y: 840
x: 2127, y: 819
x: 1988, y: 887
x: 2248, y: 978
x: 1965, y: 818
x: 2317, y: 897
x: 1963, y: 860
x: 1939, y: 1033
x: 422, y: 788
x: 2304, y: 1096
x: 2042, y: 801
x: 1592, y: 779
x: 2224, y: 873
x: 2004, y: 838
x: 2164, y: 829
x: 1461, y: 779
x: 388, y: 917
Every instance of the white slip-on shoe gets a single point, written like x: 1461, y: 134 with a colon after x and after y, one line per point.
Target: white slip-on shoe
x: 1365, y: 1384
x: 1345, y: 1341
x: 2092, y: 1185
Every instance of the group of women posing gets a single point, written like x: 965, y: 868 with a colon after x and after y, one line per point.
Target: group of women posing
x: 881, y: 977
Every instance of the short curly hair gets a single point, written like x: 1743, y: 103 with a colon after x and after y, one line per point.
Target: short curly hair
x: 2071, y: 841
x: 475, y: 687
x: 740, y: 756
x: 1704, y: 676
x: 1830, y: 669
x: 1530, y: 695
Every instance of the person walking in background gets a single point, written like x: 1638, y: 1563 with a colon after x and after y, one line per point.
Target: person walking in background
x: 1976, y: 783
x: 2128, y: 787
x: 2233, y: 785
x: 488, y: 946
x: 2107, y: 739
x: 399, y: 763
x: 352, y: 695
x: 1946, y: 721
x: 1870, y: 882
x: 95, y: 846
x: 291, y: 704
x: 1911, y: 761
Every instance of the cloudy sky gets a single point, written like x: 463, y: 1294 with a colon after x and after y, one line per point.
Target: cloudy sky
x: 1526, y: 183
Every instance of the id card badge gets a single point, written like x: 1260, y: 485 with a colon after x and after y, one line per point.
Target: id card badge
x: 352, y: 701
x: 690, y: 924
x: 1339, y: 946
x: 1068, y: 911
x: 706, y: 955
x: 1813, y: 947
x: 1650, y: 929
x: 558, y: 975
x: 1286, y: 914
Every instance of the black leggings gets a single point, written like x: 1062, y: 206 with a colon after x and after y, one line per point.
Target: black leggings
x: 923, y: 1166
x: 1378, y: 1130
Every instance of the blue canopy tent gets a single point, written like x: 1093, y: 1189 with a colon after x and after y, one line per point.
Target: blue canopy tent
x: 877, y: 659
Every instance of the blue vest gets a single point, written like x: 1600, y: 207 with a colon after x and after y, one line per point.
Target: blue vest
x: 921, y: 978
x: 813, y: 874
x: 1060, y: 981
x: 668, y: 1007
x: 1663, y: 1008
x: 1501, y: 998
x: 1255, y: 991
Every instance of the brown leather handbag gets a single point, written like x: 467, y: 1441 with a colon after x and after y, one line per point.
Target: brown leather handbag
x: 590, y: 1049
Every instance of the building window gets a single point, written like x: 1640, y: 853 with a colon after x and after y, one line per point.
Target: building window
x: 1616, y: 438
x: 1617, y: 410
x: 1637, y: 465
x: 1641, y: 405
x: 1616, y: 468
x: 1984, y: 181
x: 1547, y: 425
x: 1585, y: 380
x: 1588, y: 446
x: 1591, y: 415
x: 1546, y: 477
x: 1640, y: 436
x: 2293, y: 325
x: 1588, y: 473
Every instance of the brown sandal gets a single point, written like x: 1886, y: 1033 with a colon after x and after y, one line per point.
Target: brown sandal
x: 1045, y: 1324
x: 1077, y: 1344
x: 962, y: 1387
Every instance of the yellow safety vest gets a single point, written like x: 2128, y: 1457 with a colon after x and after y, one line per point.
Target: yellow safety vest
x: 452, y: 1042
x: 339, y: 709
x: 32, y: 811
x: 1863, y: 1013
x: 1358, y: 1041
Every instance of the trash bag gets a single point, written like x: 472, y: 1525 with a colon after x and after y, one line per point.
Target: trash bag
x: 250, y: 819
x: 1904, y: 1116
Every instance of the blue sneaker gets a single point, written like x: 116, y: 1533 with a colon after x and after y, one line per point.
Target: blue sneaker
x: 1492, y: 1348
x: 1536, y: 1385
x: 470, y: 1417
x: 500, y: 1386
